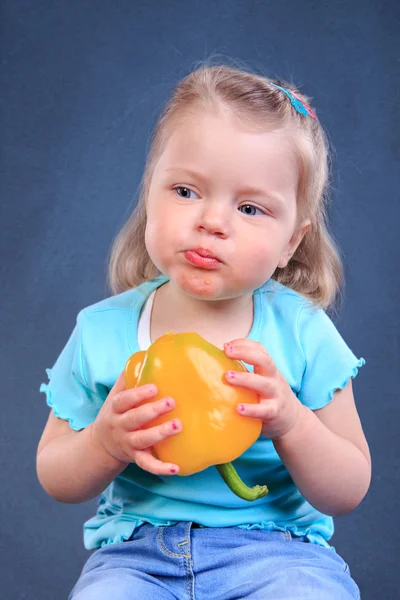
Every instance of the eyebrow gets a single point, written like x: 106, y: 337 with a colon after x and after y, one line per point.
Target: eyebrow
x: 245, y: 190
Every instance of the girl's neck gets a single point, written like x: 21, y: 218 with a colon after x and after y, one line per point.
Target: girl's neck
x: 217, y: 321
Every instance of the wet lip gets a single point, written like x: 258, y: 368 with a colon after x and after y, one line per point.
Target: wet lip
x: 204, y: 253
x: 202, y: 258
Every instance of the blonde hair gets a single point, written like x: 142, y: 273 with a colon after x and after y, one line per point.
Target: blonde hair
x: 315, y: 269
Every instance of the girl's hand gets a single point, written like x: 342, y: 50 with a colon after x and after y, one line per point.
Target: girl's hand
x: 117, y: 428
x: 278, y: 407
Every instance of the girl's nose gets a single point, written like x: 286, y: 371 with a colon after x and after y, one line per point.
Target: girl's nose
x: 214, y: 219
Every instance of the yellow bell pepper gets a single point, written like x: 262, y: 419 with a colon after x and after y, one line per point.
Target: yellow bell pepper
x: 189, y: 369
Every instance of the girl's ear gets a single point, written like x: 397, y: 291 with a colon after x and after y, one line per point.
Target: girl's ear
x: 294, y: 243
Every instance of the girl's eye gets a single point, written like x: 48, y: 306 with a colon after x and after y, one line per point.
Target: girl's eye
x: 184, y: 192
x: 249, y: 209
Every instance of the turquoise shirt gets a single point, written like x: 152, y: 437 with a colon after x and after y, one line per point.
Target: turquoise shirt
x: 305, y: 346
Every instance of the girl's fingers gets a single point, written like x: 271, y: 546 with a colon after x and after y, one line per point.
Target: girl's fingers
x: 252, y: 353
x: 260, y: 384
x: 137, y: 417
x: 145, y: 460
x: 146, y: 438
x: 126, y: 399
x: 266, y: 410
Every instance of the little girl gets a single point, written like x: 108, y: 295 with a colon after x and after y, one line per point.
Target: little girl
x: 229, y: 239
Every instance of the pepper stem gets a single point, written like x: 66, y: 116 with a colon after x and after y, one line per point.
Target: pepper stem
x: 238, y: 487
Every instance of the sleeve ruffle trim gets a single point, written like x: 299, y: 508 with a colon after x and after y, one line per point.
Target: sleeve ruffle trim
x: 73, y: 423
x: 353, y: 374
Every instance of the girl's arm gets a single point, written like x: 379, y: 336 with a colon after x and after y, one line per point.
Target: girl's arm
x: 75, y: 466
x: 327, y: 455
x: 324, y: 451
x: 70, y: 465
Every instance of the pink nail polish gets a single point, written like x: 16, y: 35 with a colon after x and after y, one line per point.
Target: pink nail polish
x: 173, y: 470
x: 174, y: 425
x: 241, y: 407
x: 231, y: 374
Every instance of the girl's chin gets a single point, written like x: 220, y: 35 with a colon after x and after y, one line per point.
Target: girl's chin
x: 201, y: 285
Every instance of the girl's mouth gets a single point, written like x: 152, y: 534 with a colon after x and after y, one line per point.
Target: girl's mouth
x: 202, y: 258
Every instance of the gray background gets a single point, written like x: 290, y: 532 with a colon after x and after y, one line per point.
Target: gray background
x: 81, y: 84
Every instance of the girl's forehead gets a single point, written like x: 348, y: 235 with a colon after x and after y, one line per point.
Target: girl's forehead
x: 221, y: 147
x: 203, y: 125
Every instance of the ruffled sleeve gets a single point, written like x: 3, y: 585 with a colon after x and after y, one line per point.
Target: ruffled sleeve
x: 328, y: 361
x: 71, y: 392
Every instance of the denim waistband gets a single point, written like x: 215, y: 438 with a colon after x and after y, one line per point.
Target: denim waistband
x: 268, y: 535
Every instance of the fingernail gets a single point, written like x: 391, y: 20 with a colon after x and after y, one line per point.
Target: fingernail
x: 241, y: 407
x: 173, y: 470
x: 150, y: 389
x: 231, y: 374
x: 175, y: 425
x: 168, y: 403
x: 228, y: 348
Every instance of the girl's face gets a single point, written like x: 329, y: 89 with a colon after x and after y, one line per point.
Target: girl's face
x: 221, y: 207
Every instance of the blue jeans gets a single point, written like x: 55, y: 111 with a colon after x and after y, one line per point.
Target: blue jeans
x: 182, y: 562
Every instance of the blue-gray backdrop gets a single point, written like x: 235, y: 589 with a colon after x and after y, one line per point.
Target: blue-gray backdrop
x: 81, y: 86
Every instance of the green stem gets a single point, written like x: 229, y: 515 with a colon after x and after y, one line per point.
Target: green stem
x: 238, y: 487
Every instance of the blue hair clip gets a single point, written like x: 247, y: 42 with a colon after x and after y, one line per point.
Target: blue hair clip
x: 296, y: 102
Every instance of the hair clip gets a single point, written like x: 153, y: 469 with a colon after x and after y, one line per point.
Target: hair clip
x: 297, y: 103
